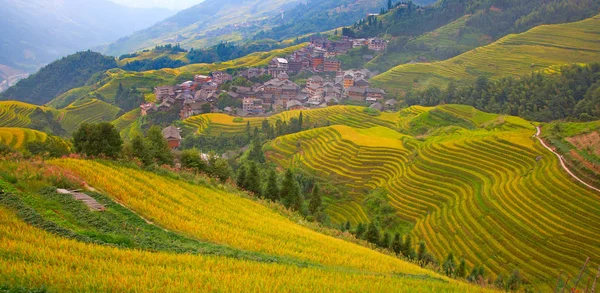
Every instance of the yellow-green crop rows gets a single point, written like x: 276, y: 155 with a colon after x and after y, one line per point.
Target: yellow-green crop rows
x: 336, y: 115
x: 92, y: 111
x: 492, y: 194
x: 15, y: 114
x: 17, y: 138
x: 513, y: 55
x: 30, y: 257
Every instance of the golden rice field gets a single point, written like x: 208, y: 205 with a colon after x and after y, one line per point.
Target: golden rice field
x: 480, y: 193
x: 17, y: 138
x: 513, y: 55
x: 215, y: 123
x: 33, y: 258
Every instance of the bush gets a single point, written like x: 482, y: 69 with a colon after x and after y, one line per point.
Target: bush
x: 238, y: 120
x: 372, y: 112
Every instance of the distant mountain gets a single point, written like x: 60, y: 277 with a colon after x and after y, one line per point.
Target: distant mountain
x: 37, y: 32
x: 205, y: 24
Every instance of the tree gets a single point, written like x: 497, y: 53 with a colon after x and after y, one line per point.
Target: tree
x: 159, y: 147
x: 421, y: 251
x: 348, y: 225
x: 499, y: 282
x: 449, y: 266
x: 397, y: 243
x: 461, y: 271
x: 290, y: 192
x: 241, y: 177
x: 51, y: 147
x: 314, y: 205
x: 272, y: 187
x: 219, y: 168
x: 390, y: 4
x: 372, y: 234
x: 98, y: 140
x: 385, y: 241
x: 407, y: 249
x: 514, y: 282
x: 360, y: 230
x: 140, y: 150
x: 252, y: 183
x: 256, y: 152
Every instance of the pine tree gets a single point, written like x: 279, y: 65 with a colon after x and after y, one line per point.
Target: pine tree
x: 256, y: 153
x: 241, y: 177
x: 372, y: 234
x: 348, y: 225
x: 290, y: 192
x: 360, y: 230
x: 407, y: 249
x: 253, y: 181
x: 461, y: 271
x: 449, y: 265
x: 397, y: 243
x: 314, y: 205
x: 421, y: 251
x: 300, y: 121
x: 272, y: 187
x: 389, y: 4
x: 385, y: 241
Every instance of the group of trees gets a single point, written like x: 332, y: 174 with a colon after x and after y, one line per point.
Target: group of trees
x: 226, y: 51
x: 572, y: 92
x: 128, y: 98
x: 209, y: 164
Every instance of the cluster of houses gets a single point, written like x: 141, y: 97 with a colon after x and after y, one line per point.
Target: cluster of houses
x: 329, y: 84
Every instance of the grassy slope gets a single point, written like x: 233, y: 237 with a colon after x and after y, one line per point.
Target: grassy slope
x: 536, y: 49
x: 476, y: 190
x: 179, y: 206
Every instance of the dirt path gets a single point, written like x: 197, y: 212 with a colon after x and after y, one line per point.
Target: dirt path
x: 562, y: 160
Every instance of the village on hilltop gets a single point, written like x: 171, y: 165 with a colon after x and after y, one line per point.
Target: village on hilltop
x: 263, y: 91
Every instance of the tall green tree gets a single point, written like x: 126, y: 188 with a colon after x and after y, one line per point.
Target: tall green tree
x: 461, y: 271
x: 360, y: 230
x: 140, y: 150
x: 449, y: 266
x: 272, y: 187
x: 253, y: 182
x: 373, y: 234
x: 407, y: 249
x: 421, y: 251
x: 385, y: 241
x: 98, y: 140
x: 397, y: 243
x: 290, y: 192
x: 315, y: 203
x: 256, y: 152
x: 241, y: 177
x: 159, y: 147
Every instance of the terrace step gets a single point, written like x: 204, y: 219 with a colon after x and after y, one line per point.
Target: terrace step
x: 86, y: 199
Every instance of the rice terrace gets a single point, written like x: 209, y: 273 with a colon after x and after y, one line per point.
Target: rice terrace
x: 300, y: 146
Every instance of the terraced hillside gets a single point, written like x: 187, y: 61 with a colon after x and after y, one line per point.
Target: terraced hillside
x: 17, y: 138
x: 343, y: 115
x: 64, y: 121
x: 33, y: 258
x: 479, y: 186
x: 513, y: 55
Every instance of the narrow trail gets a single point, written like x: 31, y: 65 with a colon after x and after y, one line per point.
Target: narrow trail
x: 562, y: 160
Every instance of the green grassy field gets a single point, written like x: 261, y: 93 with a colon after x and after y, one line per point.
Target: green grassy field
x: 473, y: 183
x: 513, y: 55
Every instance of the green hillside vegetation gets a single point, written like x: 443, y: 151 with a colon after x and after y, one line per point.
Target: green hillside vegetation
x: 579, y: 144
x: 462, y: 181
x: 58, y: 77
x: 513, y: 55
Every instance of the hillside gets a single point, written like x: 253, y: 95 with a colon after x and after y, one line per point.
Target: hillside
x: 513, y: 55
x: 58, y: 122
x: 202, y: 25
x: 281, y: 254
x: 463, y: 181
x: 38, y: 32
